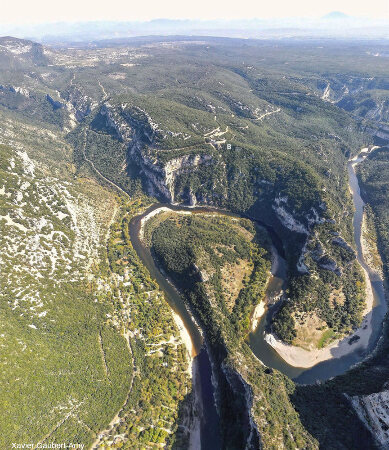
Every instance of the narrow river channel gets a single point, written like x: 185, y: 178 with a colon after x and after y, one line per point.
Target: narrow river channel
x: 209, y: 428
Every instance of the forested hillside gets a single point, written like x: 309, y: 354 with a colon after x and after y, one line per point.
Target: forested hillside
x: 374, y: 175
x: 73, y: 366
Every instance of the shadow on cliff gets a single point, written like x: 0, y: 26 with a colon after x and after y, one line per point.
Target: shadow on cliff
x: 197, y: 412
x: 325, y: 410
x: 328, y: 416
x: 230, y: 433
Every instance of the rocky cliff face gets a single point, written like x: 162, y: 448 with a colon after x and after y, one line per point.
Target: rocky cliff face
x: 65, y: 109
x: 365, y: 97
x: 381, y: 131
x: 289, y: 217
x: 77, y: 102
x: 373, y: 410
x: 22, y: 51
x: 241, y: 388
x: 140, y: 138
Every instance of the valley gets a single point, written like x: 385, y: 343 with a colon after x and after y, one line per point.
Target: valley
x: 345, y: 352
x: 194, y: 247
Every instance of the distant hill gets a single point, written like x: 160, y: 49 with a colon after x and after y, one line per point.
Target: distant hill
x: 20, y: 51
x: 336, y: 15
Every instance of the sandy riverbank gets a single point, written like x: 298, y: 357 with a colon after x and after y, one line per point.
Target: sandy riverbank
x: 194, y: 426
x: 193, y: 423
x: 258, y: 312
x: 154, y: 213
x: 260, y: 309
x: 370, y: 250
x: 185, y: 336
x: 364, y: 153
x: 167, y: 209
x: 299, y: 357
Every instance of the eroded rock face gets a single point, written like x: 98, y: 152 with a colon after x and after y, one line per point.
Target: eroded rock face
x: 242, y: 389
x: 373, y: 410
x: 353, y: 94
x: 295, y: 222
x: 313, y: 248
x: 140, y: 139
x: 328, y: 263
x: 77, y: 102
x: 202, y: 274
x: 288, y: 220
x: 181, y: 165
x: 381, y: 132
x: 24, y: 50
x: 56, y: 104
x: 20, y: 90
x: 114, y: 121
x: 342, y: 243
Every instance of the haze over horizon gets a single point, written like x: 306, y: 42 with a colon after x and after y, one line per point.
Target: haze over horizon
x: 41, y: 11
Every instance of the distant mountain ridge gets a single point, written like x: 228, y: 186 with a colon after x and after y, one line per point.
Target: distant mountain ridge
x: 15, y: 51
x: 326, y: 26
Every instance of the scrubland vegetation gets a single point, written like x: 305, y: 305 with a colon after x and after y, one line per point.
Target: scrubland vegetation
x: 160, y: 380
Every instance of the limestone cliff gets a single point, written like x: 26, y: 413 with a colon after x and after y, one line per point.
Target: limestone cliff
x: 373, y: 410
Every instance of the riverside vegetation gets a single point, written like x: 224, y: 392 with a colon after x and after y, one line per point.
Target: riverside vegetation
x: 160, y: 380
x: 374, y: 176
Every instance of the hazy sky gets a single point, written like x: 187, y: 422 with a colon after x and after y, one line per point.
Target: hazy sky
x: 33, y: 11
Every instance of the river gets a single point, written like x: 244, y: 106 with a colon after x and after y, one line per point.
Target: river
x: 203, y: 387
x: 334, y: 366
x: 256, y: 339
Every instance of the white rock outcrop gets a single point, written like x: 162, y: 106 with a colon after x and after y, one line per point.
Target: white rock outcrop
x: 373, y: 410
